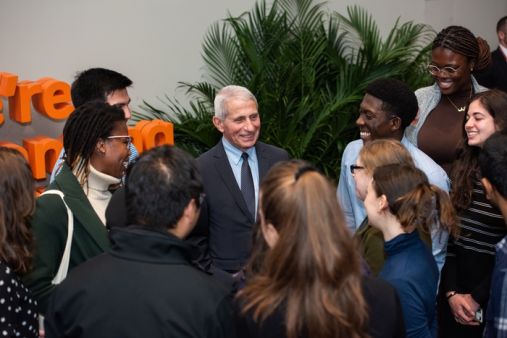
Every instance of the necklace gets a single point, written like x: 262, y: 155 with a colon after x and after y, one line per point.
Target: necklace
x: 460, y: 109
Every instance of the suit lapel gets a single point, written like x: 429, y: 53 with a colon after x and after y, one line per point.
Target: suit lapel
x: 81, y: 207
x: 263, y: 159
x: 225, y: 172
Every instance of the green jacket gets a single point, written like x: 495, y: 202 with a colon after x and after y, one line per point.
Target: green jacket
x: 49, y: 225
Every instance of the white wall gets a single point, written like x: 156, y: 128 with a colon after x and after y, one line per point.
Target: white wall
x: 158, y: 42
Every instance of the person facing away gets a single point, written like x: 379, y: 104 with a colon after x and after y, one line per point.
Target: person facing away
x: 103, y: 85
x: 304, y: 278
x: 146, y: 285
x: 493, y: 164
x: 231, y: 172
x: 18, y: 309
x: 387, y: 108
x: 495, y: 76
x: 96, y: 143
x: 456, y: 54
x: 466, y: 275
x: 400, y: 200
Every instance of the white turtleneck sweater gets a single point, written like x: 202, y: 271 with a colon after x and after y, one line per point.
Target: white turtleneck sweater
x: 96, y: 189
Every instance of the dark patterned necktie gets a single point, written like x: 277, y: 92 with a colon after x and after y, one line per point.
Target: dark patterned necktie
x: 247, y: 186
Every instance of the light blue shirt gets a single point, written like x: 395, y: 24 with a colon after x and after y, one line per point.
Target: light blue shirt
x: 236, y: 161
x: 58, y: 164
x: 353, y: 207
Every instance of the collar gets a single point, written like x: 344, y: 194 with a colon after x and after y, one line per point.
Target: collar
x: 99, y: 181
x: 144, y: 244
x: 234, y: 154
x: 503, y: 50
x: 401, y: 242
x: 502, y: 245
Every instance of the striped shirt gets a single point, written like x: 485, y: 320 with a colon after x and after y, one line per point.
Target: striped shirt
x: 471, y: 257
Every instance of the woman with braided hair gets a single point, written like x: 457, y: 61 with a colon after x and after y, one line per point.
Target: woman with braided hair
x: 96, y: 143
x: 456, y: 54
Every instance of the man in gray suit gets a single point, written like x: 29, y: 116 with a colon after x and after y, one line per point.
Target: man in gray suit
x: 232, y: 171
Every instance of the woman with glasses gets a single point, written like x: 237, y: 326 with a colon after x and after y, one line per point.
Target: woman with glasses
x: 456, y: 53
x: 304, y: 278
x: 96, y: 143
x: 466, y: 275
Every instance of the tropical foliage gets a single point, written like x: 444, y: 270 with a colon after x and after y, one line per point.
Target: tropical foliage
x: 308, y: 69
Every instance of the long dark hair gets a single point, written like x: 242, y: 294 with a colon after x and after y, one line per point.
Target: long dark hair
x: 465, y: 169
x: 17, y: 204
x: 313, y: 271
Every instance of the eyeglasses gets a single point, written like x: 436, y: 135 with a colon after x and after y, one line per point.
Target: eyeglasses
x: 127, y: 140
x: 354, y: 167
x: 446, y: 71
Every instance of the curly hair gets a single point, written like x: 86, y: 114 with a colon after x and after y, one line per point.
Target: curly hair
x: 17, y: 204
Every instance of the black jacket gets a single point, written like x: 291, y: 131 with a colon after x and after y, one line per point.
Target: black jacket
x: 495, y: 76
x: 384, y: 313
x: 144, y: 287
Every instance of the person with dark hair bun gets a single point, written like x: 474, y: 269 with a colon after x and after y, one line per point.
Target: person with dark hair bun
x: 399, y: 201
x: 455, y: 55
x: 18, y: 309
x: 466, y: 275
x: 96, y: 143
x: 304, y: 278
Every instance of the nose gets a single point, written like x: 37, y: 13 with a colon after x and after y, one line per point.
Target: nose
x: 360, y: 121
x: 127, y: 112
x: 248, y: 125
x: 468, y: 124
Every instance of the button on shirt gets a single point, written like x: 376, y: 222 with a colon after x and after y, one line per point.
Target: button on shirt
x: 235, y: 160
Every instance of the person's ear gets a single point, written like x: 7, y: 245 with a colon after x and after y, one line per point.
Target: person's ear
x: 270, y: 234
x: 100, y: 147
x: 395, y: 123
x: 382, y: 203
x: 218, y: 123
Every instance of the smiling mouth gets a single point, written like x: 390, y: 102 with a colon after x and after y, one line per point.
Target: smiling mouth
x: 364, y: 134
x: 444, y: 84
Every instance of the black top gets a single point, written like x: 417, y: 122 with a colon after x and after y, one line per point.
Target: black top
x: 146, y: 286
x: 384, y: 312
x: 18, y: 309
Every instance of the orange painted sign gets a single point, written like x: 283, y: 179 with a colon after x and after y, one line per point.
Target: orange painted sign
x: 51, y: 98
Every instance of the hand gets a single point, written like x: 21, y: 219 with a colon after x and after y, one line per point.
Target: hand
x: 463, y: 307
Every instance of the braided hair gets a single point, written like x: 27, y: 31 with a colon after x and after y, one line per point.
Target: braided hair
x: 88, y: 124
x: 462, y: 41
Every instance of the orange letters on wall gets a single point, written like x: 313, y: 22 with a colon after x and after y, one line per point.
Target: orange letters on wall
x: 52, y: 99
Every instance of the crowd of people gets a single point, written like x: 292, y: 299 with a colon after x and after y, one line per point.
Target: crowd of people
x: 245, y: 242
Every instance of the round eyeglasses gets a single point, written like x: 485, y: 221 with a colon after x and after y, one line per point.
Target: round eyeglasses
x: 445, y: 71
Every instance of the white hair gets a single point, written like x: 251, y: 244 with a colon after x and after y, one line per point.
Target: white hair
x: 228, y: 93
